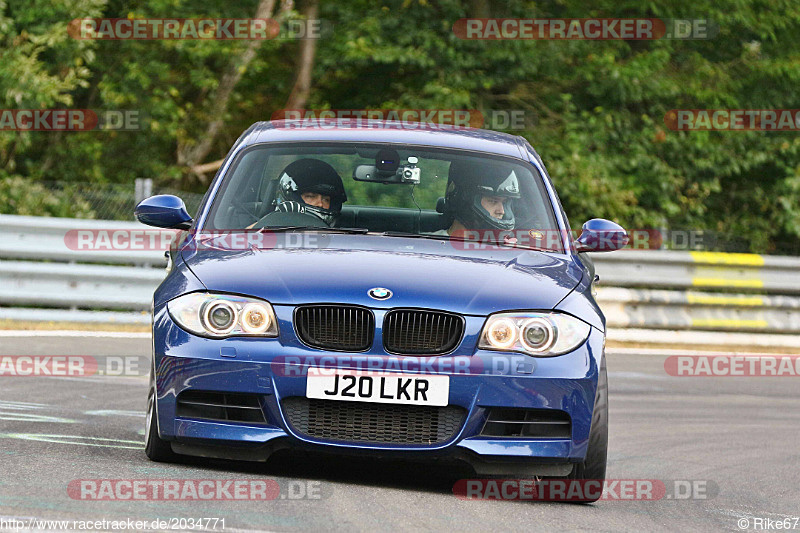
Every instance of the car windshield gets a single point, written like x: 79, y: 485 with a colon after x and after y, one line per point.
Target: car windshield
x: 392, y: 189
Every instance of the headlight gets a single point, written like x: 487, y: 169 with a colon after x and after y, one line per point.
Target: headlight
x: 544, y: 334
x: 501, y: 333
x: 223, y: 315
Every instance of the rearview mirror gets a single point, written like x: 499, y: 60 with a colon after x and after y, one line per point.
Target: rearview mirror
x: 408, y: 173
x: 601, y: 235
x: 366, y: 173
x: 163, y: 211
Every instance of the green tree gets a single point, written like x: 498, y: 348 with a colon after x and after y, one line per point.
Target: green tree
x: 600, y: 105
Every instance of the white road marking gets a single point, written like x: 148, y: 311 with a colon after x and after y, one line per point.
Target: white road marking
x: 745, y: 514
x: 74, y: 333
x: 119, y: 380
x: 7, y: 404
x: 30, y: 417
x: 79, y: 440
x: 115, y: 412
x: 669, y: 351
x: 636, y: 375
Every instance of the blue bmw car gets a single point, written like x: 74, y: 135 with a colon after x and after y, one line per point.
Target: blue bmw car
x: 377, y: 289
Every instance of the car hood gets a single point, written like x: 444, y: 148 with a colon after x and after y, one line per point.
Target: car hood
x: 419, y: 272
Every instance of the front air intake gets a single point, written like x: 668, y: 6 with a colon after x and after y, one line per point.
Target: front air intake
x: 220, y: 406
x: 373, y: 423
x: 528, y: 423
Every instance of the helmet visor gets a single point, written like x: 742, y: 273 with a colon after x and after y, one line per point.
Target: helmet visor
x: 507, y: 188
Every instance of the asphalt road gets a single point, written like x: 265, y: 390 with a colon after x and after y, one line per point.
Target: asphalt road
x: 735, y: 438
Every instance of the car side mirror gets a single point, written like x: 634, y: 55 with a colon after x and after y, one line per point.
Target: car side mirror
x: 601, y: 235
x: 163, y: 211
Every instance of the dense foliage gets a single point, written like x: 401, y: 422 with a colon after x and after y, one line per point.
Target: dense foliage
x: 600, y: 105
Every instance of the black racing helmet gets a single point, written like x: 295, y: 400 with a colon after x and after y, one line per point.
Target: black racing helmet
x: 312, y: 175
x: 468, y: 181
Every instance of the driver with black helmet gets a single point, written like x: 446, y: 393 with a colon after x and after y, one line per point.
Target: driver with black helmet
x: 311, y: 186
x: 479, y: 197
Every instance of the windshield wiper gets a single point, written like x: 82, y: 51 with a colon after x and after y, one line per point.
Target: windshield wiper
x: 407, y: 234
x: 364, y: 231
x: 464, y: 239
x: 498, y: 242
x: 278, y: 229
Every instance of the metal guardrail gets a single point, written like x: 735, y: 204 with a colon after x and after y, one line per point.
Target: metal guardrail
x: 44, y: 278
x: 73, y: 285
x: 699, y: 270
x: 627, y: 308
x: 45, y: 238
x: 699, y: 291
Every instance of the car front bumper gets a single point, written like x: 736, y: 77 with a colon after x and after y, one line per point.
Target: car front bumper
x: 489, y: 380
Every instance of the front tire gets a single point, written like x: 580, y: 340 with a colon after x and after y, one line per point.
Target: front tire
x: 156, y: 448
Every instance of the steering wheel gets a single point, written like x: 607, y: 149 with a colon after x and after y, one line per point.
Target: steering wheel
x: 242, y: 207
x: 280, y: 218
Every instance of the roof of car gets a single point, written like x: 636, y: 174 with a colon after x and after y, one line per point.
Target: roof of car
x: 384, y: 131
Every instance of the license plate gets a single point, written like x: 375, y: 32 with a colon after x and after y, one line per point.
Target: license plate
x: 377, y: 387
